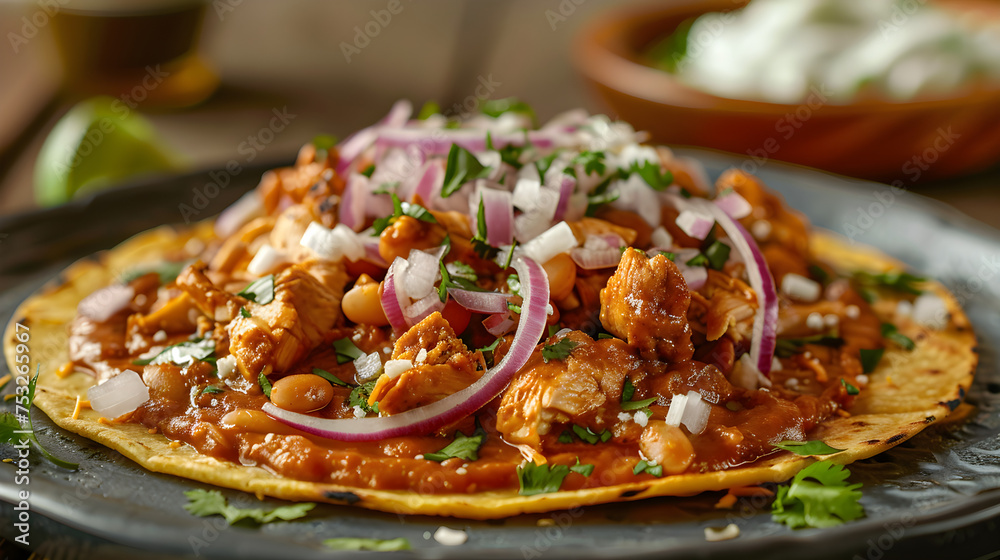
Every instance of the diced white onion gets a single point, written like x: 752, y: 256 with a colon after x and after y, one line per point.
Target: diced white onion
x: 930, y: 311
x: 367, y: 367
x: 393, y: 368
x: 661, y: 238
x: 421, y: 273
x: 320, y: 241
x: 450, y: 537
x: 675, y: 413
x: 800, y: 288
x: 695, y: 224
x: 348, y: 242
x: 266, y: 260
x: 730, y: 531
x: 118, y: 395
x: 696, y: 412
x: 555, y: 240
x: 761, y: 230
x: 227, y: 366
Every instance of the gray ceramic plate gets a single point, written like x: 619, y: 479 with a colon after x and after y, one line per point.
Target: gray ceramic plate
x: 936, y: 495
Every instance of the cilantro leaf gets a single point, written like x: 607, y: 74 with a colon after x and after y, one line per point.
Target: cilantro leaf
x: 429, y: 108
x: 333, y: 379
x: 511, y: 155
x: 654, y: 176
x: 496, y: 107
x: 11, y: 423
x: 592, y: 162
x: 806, y: 448
x: 377, y: 545
x: 346, y: 350
x: 244, y: 313
x: 211, y: 389
x: 559, y: 350
x: 183, y: 353
x: 588, y: 435
x: 400, y: 209
x: 450, y: 280
x: 260, y: 291
x: 166, y: 270
x: 461, y: 168
x: 644, y: 466
x: 211, y: 502
x: 540, y: 479
x: 628, y: 391
x: 369, y: 171
x: 698, y: 260
x: 870, y: 358
x: 585, y: 470
x: 265, y: 385
x: 819, y: 274
x: 818, y: 496
x: 323, y: 143
x: 717, y: 255
x: 851, y: 389
x: 359, y: 396
x: 463, y: 447
x: 891, y: 332
x: 896, y: 281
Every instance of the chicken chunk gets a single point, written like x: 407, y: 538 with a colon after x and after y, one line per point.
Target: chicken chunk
x: 584, y: 388
x: 207, y: 297
x: 442, y: 366
x: 724, y: 304
x: 646, y: 303
x: 306, y: 306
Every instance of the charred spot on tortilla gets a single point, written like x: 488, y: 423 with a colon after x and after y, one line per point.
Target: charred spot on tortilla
x: 677, y: 382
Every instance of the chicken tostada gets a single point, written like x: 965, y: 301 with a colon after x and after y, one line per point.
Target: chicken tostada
x: 481, y: 317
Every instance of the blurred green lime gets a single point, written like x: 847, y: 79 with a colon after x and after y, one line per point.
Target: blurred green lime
x: 98, y: 143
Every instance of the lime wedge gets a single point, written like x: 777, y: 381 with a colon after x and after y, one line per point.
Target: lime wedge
x: 98, y: 143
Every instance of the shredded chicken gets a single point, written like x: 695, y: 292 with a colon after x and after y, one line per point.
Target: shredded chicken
x: 277, y: 334
x: 646, y: 303
x: 724, y: 304
x: 442, y: 366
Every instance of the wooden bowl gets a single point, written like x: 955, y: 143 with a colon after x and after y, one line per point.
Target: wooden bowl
x: 881, y: 140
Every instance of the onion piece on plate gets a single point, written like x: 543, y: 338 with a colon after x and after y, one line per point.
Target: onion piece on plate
x: 425, y: 419
x: 118, y: 395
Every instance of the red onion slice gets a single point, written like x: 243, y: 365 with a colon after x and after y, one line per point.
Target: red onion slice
x: 594, y: 259
x: 354, y: 201
x: 231, y: 219
x: 498, y: 209
x: 480, y: 302
x: 390, y: 299
x: 535, y: 290
x: 118, y: 395
x: 695, y: 224
x: 499, y: 324
x: 420, y: 309
x: 765, y: 324
x: 431, y: 181
x: 566, y: 184
x: 734, y: 204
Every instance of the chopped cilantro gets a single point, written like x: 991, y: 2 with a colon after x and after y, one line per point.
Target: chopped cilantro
x: 330, y: 377
x: 604, y: 336
x: 588, y: 435
x: 870, y: 358
x: 851, y: 389
x: 429, y: 108
x: 211, y: 389
x: 717, y: 255
x: 654, y: 176
x: 585, y: 470
x: 400, y: 209
x: 559, y: 350
x: 820, y: 274
x: 553, y: 329
x: 463, y: 447
x: 211, y: 502
x: 592, y: 162
x: 260, y: 291
x: 346, y: 350
x: 244, y: 313
x: 463, y: 277
x: 897, y: 281
x: 806, y: 448
x: 368, y: 171
x: 461, y: 168
x: 698, y: 260
x: 818, y: 496
x: 628, y: 391
x: 514, y: 283
x: 183, y: 353
x: 376, y: 545
x: 543, y: 164
x: 510, y: 255
x: 540, y: 479
x: 511, y: 155
x: 496, y: 107
x: 323, y: 143
x: 488, y: 350
x: 669, y: 255
x: 265, y: 385
x: 359, y: 396
x: 566, y: 437
x: 786, y: 347
x: 167, y: 271
x: 516, y: 309
x: 644, y: 466
x: 10, y: 425
x: 891, y: 332
x: 484, y: 249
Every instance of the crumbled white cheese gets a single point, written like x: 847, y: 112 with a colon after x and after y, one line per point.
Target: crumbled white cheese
x: 450, y: 537
x: 227, y: 366
x: 421, y: 356
x: 853, y: 311
x: 641, y: 418
x: 359, y: 412
x: 800, y: 288
x: 862, y: 380
x: 791, y: 383
x: 713, y: 534
x: 624, y: 416
x: 160, y: 336
x: 831, y: 320
x: 814, y: 321
x: 761, y: 230
x: 393, y: 368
